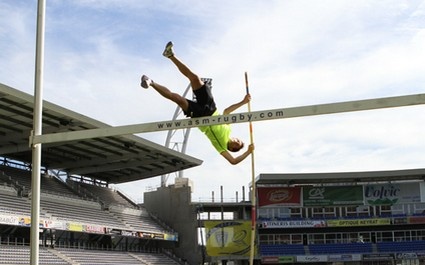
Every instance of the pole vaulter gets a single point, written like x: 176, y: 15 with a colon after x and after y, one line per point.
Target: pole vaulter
x: 283, y: 113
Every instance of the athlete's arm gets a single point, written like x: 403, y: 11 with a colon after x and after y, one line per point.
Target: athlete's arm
x: 235, y: 106
x: 235, y: 160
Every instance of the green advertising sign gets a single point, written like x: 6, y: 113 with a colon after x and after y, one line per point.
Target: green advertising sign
x: 333, y: 196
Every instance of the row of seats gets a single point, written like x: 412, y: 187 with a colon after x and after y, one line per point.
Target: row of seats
x: 106, y: 195
x: 81, y: 213
x: 21, y: 255
x: 86, y: 257
x: 401, y: 246
x: 47, y: 256
x: 136, y: 219
x: 276, y: 250
x: 351, y: 248
x: 22, y: 179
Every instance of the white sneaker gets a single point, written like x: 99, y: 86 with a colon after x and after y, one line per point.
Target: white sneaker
x: 146, y: 81
x: 168, y: 51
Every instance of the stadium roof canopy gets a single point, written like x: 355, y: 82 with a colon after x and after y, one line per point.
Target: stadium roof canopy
x: 115, y: 159
x: 340, y: 177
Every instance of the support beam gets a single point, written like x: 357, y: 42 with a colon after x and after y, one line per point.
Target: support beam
x: 330, y: 108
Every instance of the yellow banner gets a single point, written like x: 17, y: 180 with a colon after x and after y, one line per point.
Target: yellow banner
x: 74, y: 227
x: 228, y: 238
x: 359, y: 222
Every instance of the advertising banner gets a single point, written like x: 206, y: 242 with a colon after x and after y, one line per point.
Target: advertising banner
x: 312, y: 258
x: 96, y: 229
x: 333, y: 196
x: 54, y: 224
x: 8, y: 219
x: 26, y: 221
x: 359, y: 222
x: 390, y: 194
x: 293, y: 224
x: 228, y: 238
x: 74, y: 227
x: 273, y: 196
x: 416, y: 219
x: 278, y: 260
x: 170, y: 237
x: 380, y: 256
x: 345, y: 257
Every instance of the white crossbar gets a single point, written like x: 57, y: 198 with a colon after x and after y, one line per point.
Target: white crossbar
x: 330, y: 108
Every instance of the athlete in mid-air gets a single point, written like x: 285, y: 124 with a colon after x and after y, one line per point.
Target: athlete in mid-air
x: 219, y: 135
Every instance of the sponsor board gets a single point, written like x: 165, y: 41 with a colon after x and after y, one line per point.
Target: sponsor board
x: 272, y: 196
x: 359, y: 222
x: 293, y: 224
x: 278, y: 260
x: 333, y: 196
x: 345, y: 257
x: 312, y: 258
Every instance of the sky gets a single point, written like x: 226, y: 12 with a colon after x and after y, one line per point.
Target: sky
x: 296, y: 53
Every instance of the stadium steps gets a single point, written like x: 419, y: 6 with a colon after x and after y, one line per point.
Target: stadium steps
x: 374, y: 248
x: 306, y: 250
x: 137, y: 219
x: 154, y: 258
x: 138, y: 258
x: 107, y: 195
x: 62, y: 256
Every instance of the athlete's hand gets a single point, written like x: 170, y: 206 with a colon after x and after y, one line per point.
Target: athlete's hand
x: 246, y: 99
x: 251, y: 148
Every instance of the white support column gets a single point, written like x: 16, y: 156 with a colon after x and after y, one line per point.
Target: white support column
x: 37, y: 125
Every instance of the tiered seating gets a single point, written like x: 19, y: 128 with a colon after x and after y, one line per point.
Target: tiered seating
x: 21, y: 255
x: 60, y: 202
x: 107, y: 195
x: 138, y: 220
x: 54, y: 186
x: 14, y: 204
x: 273, y: 250
x: 48, y: 184
x: 22, y: 177
x: 80, y: 211
x: 155, y: 258
x: 403, y: 246
x: 92, y: 257
x: 340, y: 248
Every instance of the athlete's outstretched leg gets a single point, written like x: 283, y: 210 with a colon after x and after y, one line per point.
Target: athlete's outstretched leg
x: 165, y: 92
x: 195, y: 80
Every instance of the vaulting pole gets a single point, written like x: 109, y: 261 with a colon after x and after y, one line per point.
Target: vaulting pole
x: 37, y: 125
x: 253, y: 190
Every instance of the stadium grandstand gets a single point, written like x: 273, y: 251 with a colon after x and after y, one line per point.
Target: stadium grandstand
x: 369, y: 218
x: 80, y: 214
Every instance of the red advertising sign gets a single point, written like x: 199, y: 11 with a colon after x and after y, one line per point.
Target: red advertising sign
x: 269, y: 196
x: 416, y: 220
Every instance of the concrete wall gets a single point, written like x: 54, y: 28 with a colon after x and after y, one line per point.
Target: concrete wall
x: 173, y: 206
